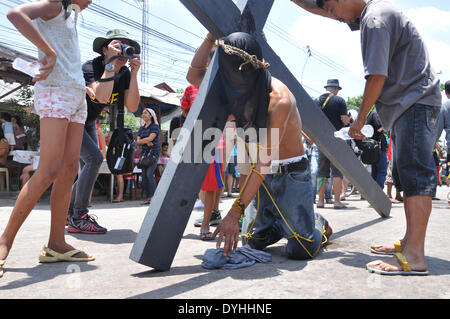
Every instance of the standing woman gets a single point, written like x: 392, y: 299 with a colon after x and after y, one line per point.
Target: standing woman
x: 59, y: 101
x: 4, y: 148
x: 148, y: 138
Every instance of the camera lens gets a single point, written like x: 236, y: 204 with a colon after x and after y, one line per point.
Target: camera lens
x: 127, y: 51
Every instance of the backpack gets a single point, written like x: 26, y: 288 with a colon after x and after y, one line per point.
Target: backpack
x: 370, y: 150
x: 120, y: 153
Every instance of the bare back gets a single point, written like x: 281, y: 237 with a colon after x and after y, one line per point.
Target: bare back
x: 283, y: 114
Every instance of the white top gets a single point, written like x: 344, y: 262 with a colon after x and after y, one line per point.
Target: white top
x: 62, y: 35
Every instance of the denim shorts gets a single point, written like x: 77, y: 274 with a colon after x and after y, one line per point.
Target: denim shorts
x: 292, y: 194
x: 413, y: 137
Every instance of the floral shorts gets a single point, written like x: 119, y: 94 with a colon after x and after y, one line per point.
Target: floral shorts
x: 60, y: 102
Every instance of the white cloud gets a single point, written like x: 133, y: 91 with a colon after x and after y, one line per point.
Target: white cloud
x: 430, y: 20
x: 433, y: 25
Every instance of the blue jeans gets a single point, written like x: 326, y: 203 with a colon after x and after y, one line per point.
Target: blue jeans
x: 292, y: 193
x: 413, y: 139
x: 379, y: 170
x: 148, y: 180
x: 91, y: 159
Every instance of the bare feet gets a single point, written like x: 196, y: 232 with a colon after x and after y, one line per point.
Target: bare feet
x: 4, y: 250
x: 394, y: 201
x: 329, y: 232
x: 339, y: 205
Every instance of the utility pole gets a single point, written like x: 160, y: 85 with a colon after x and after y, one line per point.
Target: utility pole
x: 145, y: 41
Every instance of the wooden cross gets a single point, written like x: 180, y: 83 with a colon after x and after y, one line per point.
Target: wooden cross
x: 171, y: 206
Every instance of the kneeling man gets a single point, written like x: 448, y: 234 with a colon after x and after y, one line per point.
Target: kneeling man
x: 281, y: 198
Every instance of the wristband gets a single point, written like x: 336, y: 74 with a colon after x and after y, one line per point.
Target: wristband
x: 239, y: 206
x: 197, y: 68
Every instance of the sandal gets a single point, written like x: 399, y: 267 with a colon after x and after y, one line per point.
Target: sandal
x: 397, y: 246
x: 57, y: 257
x: 406, y: 268
x: 206, y: 236
x: 2, y: 263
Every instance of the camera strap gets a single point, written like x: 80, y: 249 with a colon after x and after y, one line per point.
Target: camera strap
x: 116, y: 76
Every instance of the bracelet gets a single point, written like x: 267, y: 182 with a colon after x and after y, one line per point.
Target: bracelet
x: 210, y: 41
x: 239, y: 206
x: 198, y: 68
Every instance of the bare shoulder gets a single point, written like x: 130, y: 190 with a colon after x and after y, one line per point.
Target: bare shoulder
x: 53, y: 9
x: 44, y: 9
x: 281, y: 99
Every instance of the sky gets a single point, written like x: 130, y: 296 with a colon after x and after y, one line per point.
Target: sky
x: 291, y: 32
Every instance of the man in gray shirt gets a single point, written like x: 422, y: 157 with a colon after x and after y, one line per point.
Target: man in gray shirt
x: 405, y: 90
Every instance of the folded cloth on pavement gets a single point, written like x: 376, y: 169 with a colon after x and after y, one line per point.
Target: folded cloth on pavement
x: 243, y: 257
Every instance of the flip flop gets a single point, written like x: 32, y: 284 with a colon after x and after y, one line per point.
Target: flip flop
x: 206, y: 236
x: 117, y: 200
x: 57, y: 257
x: 320, y: 206
x: 406, y: 268
x: 2, y: 263
x: 340, y: 207
x: 397, y: 246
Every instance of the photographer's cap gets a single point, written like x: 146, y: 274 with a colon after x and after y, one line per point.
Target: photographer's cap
x: 115, y: 34
x: 333, y: 83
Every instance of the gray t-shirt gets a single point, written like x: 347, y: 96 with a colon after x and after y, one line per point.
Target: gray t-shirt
x: 391, y: 46
x: 444, y: 122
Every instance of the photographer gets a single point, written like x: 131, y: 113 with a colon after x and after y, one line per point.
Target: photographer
x: 120, y: 88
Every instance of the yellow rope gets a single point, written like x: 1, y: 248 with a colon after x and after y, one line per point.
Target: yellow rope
x: 295, y: 235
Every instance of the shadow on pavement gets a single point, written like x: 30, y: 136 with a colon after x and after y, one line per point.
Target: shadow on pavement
x: 45, y: 272
x: 115, y: 236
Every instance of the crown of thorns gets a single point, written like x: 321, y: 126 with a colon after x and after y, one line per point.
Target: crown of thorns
x: 247, y: 57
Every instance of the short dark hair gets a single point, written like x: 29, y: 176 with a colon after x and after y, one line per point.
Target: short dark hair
x: 447, y: 87
x: 6, y: 117
x: 319, y: 3
x: 18, y: 120
x: 2, y: 135
x: 164, y: 144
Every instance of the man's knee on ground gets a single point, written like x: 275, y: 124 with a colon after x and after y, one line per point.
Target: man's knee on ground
x: 295, y: 251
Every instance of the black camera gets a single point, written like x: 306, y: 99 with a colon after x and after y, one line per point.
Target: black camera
x: 127, y: 51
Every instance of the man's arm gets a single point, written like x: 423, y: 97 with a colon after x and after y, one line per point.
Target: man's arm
x: 132, y: 95
x: 229, y: 227
x: 345, y: 120
x: 372, y: 91
x: 102, y: 91
x: 200, y: 61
